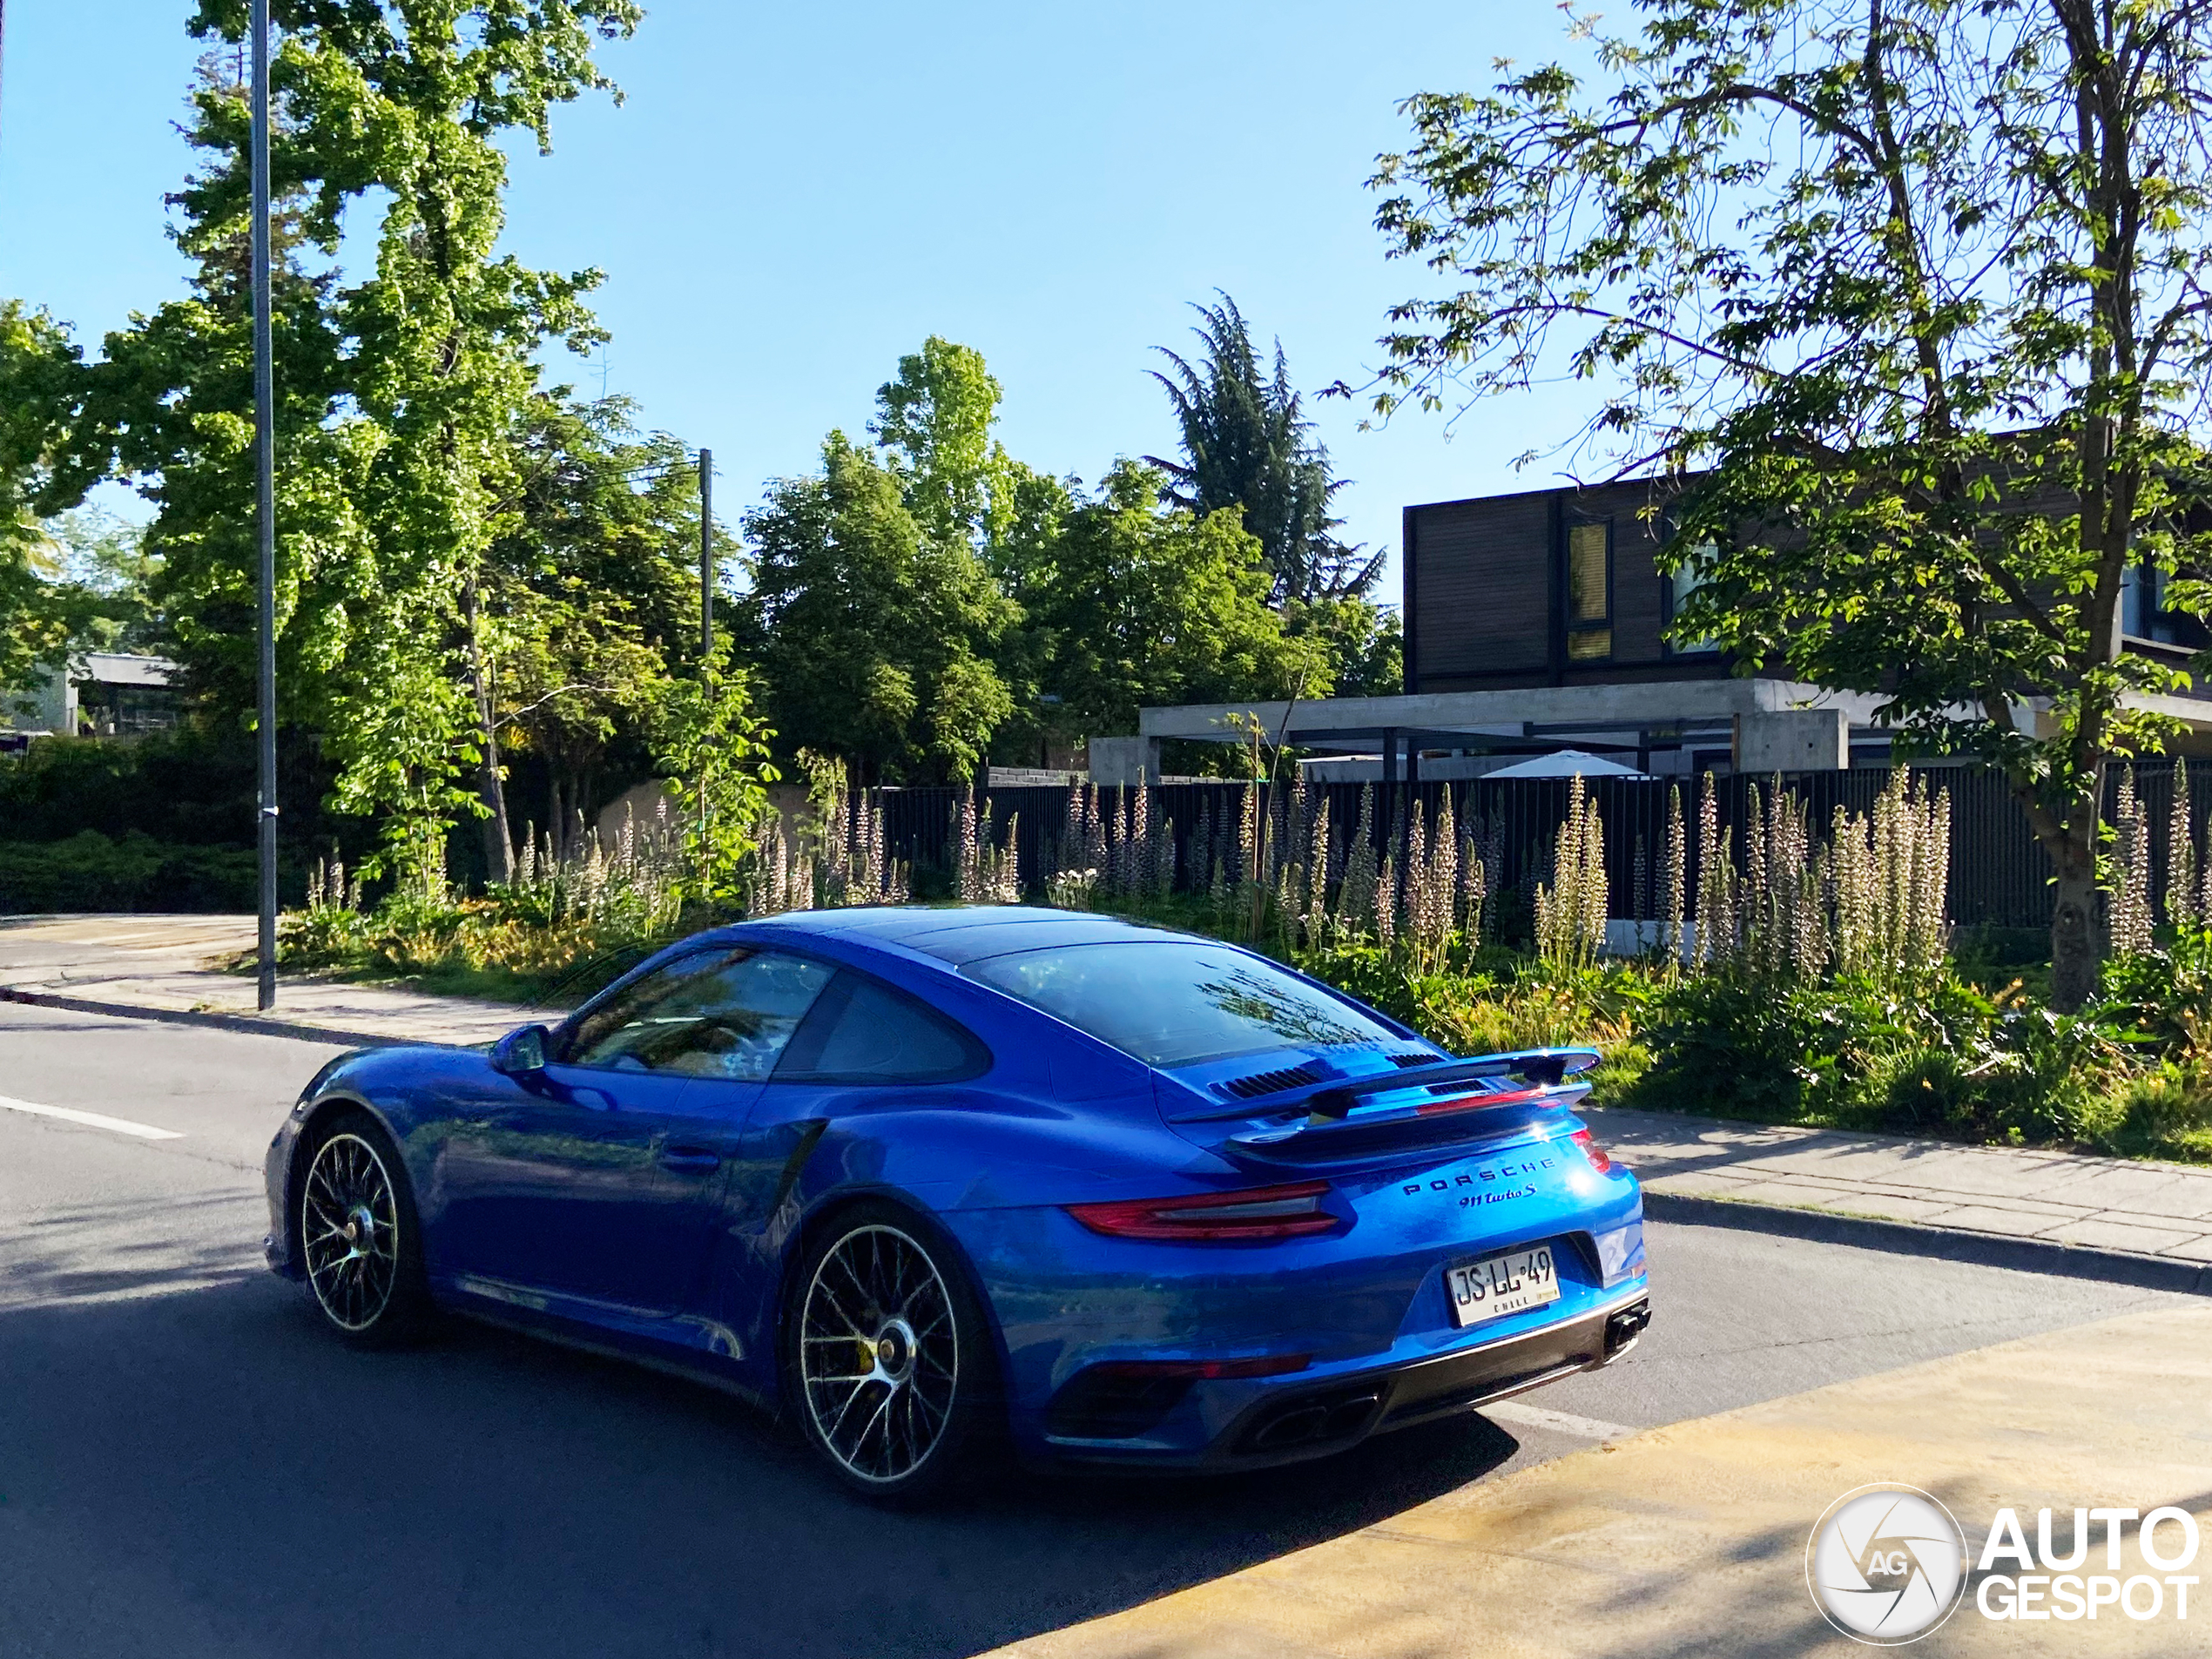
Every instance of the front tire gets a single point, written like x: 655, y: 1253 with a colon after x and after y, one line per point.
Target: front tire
x: 359, y: 1239
x: 888, y: 1365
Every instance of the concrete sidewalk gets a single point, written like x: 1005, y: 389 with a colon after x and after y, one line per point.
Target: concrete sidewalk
x: 167, y: 967
x: 2056, y: 1201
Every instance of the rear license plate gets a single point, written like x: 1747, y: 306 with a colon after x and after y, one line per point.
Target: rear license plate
x: 1513, y: 1282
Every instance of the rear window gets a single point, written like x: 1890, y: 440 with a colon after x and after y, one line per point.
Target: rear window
x: 1177, y: 1003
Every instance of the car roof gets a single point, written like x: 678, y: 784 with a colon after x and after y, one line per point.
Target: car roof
x: 959, y: 933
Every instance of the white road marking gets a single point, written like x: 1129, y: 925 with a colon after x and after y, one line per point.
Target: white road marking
x: 93, y: 1120
x: 129, y: 1293
x: 1589, y: 1428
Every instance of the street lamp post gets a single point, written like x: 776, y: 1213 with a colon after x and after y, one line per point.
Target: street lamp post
x: 264, y: 517
x: 706, y: 555
x: 706, y: 610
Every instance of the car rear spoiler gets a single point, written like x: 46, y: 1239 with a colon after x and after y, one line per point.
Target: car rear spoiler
x: 1544, y: 1073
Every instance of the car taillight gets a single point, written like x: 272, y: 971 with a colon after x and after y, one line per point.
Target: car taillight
x: 1593, y: 1151
x: 1256, y: 1212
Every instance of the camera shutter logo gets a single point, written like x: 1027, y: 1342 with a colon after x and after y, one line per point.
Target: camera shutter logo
x: 1886, y: 1564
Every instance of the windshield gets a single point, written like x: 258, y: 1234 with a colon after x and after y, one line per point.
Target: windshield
x: 1176, y: 1003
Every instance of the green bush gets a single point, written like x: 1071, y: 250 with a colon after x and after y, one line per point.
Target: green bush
x: 494, y: 946
x: 136, y: 872
x: 1727, y: 1046
x: 1499, y: 1002
x: 1935, y: 1058
x: 187, y: 786
x: 2162, y: 997
x: 2165, y: 1113
x: 1741, y: 1045
x: 2036, y: 1078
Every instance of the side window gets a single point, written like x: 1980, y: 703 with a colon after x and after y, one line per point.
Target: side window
x: 716, y: 1014
x: 1686, y: 580
x: 863, y: 1032
x: 1590, y: 588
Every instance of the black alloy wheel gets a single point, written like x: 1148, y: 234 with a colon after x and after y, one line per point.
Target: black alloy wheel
x: 359, y: 1241
x: 889, y: 1357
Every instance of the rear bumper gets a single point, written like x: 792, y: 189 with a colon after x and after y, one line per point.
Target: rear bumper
x: 1294, y: 1419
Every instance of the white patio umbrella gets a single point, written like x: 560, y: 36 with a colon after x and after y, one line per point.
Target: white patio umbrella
x: 1566, y: 763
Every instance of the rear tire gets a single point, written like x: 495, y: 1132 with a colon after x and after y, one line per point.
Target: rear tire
x: 888, y: 1362
x: 360, y: 1241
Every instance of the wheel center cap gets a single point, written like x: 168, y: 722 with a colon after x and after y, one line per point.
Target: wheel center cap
x: 894, y: 1350
x: 359, y: 1225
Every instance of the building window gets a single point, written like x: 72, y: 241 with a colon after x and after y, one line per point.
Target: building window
x: 1589, y: 590
x: 1688, y: 577
x: 2143, y: 603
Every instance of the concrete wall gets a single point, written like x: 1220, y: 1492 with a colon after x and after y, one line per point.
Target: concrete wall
x: 48, y: 705
x: 1125, y: 761
x: 1793, y: 740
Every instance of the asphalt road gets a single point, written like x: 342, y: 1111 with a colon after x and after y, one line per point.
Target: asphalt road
x: 189, y: 1466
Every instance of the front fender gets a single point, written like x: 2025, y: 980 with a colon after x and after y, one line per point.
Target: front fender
x: 406, y: 1091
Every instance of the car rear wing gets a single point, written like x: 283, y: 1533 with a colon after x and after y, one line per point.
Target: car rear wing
x: 1542, y: 1073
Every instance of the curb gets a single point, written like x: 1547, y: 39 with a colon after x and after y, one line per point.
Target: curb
x: 2042, y: 1256
x: 251, y: 1025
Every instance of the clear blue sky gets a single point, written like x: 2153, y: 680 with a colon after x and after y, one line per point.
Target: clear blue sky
x: 793, y: 196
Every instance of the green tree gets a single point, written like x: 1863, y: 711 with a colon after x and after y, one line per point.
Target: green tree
x: 101, y: 566
x: 446, y: 333
x: 1149, y: 602
x: 170, y: 406
x: 400, y: 395
x: 1365, y: 646
x: 1920, y: 282
x: 590, y: 596
x: 713, y: 748
x: 875, y: 639
x: 934, y: 425
x: 40, y: 384
x: 1248, y: 446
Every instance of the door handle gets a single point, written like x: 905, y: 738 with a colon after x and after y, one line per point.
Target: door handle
x: 690, y: 1160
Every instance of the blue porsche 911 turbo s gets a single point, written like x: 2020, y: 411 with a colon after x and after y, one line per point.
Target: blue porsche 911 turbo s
x: 923, y: 1178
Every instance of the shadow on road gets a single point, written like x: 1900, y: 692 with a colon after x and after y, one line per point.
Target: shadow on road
x: 206, y: 1471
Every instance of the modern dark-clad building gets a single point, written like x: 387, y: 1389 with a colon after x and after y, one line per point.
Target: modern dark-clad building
x: 1543, y: 587
x: 1535, y: 621
x: 1562, y: 587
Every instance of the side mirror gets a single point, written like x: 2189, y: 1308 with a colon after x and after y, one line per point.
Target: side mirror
x: 520, y: 1053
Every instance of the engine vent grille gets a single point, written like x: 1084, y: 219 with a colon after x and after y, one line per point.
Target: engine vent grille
x: 1266, y: 1082
x: 1403, y: 1059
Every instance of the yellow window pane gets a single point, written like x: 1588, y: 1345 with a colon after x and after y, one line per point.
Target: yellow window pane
x: 1588, y: 595
x: 1590, y: 642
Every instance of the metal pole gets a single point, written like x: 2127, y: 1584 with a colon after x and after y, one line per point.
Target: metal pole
x: 265, y: 519
x: 706, y: 610
x: 706, y: 557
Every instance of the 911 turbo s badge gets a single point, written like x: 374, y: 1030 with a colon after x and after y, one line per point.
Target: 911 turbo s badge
x: 1492, y: 1184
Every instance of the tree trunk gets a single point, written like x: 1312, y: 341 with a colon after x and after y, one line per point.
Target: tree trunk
x: 491, y: 785
x: 2074, y: 928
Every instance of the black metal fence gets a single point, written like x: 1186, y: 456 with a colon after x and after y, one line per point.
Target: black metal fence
x: 1999, y: 875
